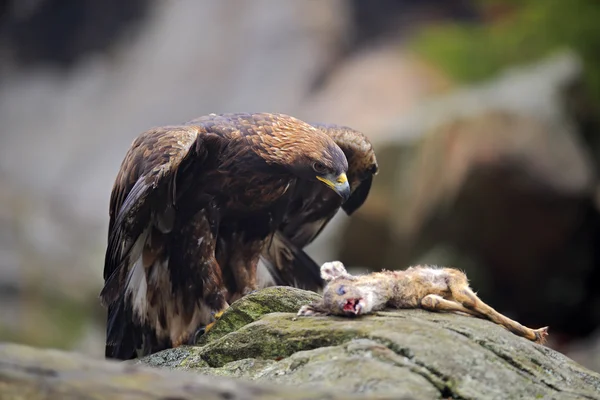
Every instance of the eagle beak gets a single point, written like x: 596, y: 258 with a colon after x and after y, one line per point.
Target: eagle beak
x: 338, y: 184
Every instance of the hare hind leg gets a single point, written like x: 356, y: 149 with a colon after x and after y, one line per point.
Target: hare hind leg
x: 433, y: 302
x: 462, y: 293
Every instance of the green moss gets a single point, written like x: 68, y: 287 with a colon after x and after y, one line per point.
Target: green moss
x: 253, y: 306
x: 535, y: 28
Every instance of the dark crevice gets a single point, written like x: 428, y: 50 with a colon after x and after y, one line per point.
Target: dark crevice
x: 445, y: 390
x: 518, y: 366
x: 512, y: 362
x: 536, y: 362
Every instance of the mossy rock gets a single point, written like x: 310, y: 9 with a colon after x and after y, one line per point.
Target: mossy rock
x: 394, y: 353
x: 253, y: 306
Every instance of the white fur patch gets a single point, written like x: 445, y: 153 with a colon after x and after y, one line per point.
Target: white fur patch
x: 435, y: 277
x: 436, y: 272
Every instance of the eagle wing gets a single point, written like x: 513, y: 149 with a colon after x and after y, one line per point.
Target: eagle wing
x: 143, y: 198
x: 284, y: 262
x: 148, y: 177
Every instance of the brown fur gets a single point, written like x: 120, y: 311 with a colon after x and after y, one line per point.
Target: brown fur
x: 427, y: 287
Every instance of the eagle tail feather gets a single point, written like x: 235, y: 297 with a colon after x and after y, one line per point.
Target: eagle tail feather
x: 121, y: 332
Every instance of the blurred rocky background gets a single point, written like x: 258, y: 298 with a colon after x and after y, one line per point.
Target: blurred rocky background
x: 484, y: 114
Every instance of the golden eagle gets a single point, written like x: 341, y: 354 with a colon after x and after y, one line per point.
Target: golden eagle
x: 283, y: 262
x: 191, y: 210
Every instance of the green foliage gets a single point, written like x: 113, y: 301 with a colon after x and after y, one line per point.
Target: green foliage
x: 536, y: 28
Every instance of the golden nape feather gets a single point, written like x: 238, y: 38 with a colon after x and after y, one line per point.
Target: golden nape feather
x: 193, y: 208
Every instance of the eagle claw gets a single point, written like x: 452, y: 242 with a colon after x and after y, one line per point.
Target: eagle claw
x: 194, y: 338
x: 216, y: 315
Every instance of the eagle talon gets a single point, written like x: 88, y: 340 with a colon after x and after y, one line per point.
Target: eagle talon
x: 216, y: 316
x: 209, y: 327
x: 194, y: 338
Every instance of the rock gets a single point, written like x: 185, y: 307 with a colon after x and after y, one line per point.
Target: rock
x: 395, y: 353
x: 31, y: 374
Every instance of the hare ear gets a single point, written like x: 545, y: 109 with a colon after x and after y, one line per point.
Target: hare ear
x: 332, y: 270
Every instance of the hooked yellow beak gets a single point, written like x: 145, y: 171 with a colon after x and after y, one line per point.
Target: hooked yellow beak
x: 338, y: 184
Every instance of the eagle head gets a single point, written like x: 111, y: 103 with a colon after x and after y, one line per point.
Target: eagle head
x: 323, y: 161
x: 330, y: 168
x: 305, y: 152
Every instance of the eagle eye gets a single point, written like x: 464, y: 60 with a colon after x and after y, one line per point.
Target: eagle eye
x: 319, y: 167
